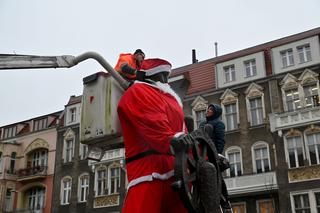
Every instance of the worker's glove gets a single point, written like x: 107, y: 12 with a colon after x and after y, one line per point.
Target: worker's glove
x: 128, y: 70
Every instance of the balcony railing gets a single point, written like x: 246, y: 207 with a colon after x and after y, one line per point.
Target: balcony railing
x: 252, y: 183
x: 32, y: 172
x: 286, y: 120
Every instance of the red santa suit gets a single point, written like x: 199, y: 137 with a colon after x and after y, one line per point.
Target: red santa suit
x: 150, y: 117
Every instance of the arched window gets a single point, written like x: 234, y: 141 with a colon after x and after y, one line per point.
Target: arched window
x: 66, y: 184
x: 260, y: 157
x: 235, y: 159
x: 36, y: 198
x: 83, y: 188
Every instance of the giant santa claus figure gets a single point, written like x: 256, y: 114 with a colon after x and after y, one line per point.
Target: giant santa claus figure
x: 151, y: 114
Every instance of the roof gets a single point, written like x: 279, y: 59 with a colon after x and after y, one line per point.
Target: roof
x: 74, y: 100
x: 202, y: 74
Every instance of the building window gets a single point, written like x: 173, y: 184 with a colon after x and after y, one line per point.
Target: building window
x: 304, y: 53
x: 317, y: 197
x: 295, y: 151
x: 40, y: 124
x: 261, y: 158
x: 250, y: 68
x: 36, y: 198
x: 287, y: 58
x: 83, y: 187
x: 114, y: 180
x: 313, y: 141
x: 10, y: 132
x: 200, y: 117
x: 231, y: 116
x: 12, y: 163
x: 1, y: 160
x: 301, y: 203
x: 72, y: 114
x: 101, y: 181
x: 238, y: 208
x: 40, y: 158
x: 230, y: 73
x: 265, y: 206
x: 9, y: 200
x: 310, y: 95
x: 234, y: 156
x: 69, y: 146
x: 256, y: 111
x: 292, y: 99
x: 83, y: 151
x: 66, y: 190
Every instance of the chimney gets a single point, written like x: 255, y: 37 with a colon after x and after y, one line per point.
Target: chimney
x: 194, y: 57
x: 216, y: 48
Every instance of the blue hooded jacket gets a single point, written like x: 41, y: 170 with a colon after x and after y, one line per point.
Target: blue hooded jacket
x: 218, y: 127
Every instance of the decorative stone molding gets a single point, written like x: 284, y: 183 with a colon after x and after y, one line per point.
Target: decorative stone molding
x: 229, y: 97
x: 69, y: 134
x: 308, y: 77
x: 37, y: 144
x: 312, y: 129
x: 254, y: 90
x: 289, y: 82
x: 199, y: 104
x: 293, y: 133
x: 104, y: 201
x: 304, y: 173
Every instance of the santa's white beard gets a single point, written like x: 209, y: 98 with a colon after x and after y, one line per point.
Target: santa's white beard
x: 167, y: 89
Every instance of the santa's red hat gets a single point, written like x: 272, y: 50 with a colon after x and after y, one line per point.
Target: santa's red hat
x: 153, y: 66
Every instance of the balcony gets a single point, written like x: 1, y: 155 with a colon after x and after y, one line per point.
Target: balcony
x: 286, y: 120
x: 32, y: 173
x: 252, y: 183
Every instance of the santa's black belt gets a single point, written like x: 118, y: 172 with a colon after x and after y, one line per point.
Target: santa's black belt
x: 144, y: 154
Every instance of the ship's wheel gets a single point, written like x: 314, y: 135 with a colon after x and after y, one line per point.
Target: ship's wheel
x: 197, y: 173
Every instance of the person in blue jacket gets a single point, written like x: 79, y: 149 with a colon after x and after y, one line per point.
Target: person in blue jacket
x: 214, y: 112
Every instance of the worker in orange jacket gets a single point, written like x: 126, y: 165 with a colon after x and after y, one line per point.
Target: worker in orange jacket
x: 128, y: 64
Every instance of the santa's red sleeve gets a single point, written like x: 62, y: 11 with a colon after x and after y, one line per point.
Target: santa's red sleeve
x: 143, y: 114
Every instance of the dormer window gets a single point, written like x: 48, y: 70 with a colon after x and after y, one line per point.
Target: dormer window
x: 10, y: 132
x: 72, y: 114
x: 40, y: 124
x: 250, y: 68
x: 304, y: 53
x: 230, y: 74
x: 287, y: 58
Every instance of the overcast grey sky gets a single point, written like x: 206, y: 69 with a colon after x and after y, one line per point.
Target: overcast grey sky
x: 166, y: 29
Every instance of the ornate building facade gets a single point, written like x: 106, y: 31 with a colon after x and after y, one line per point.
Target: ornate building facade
x: 27, y: 157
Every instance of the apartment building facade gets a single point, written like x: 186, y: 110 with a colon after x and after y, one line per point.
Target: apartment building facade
x: 27, y: 156
x: 268, y: 95
x: 83, y: 185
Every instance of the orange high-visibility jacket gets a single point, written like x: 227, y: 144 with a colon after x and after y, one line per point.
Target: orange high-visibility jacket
x: 126, y: 58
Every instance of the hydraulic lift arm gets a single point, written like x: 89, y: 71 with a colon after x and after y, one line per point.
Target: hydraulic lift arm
x: 10, y: 61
